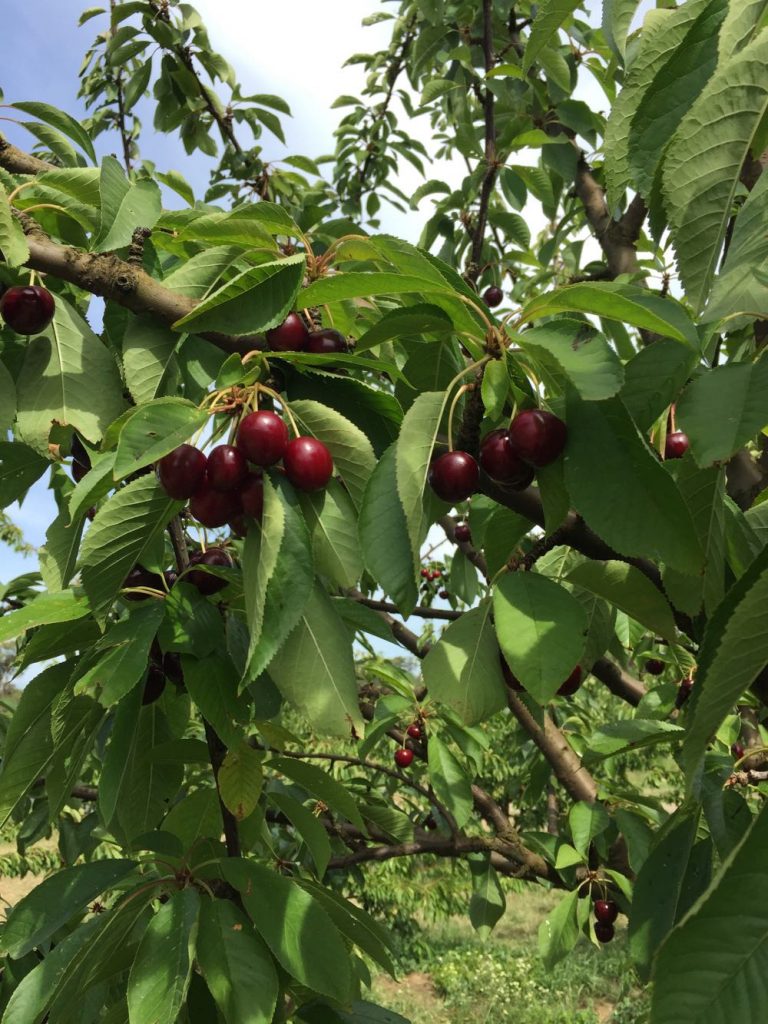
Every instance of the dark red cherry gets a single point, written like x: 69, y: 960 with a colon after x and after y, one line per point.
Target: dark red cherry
x: 654, y: 667
x: 493, y: 296
x: 444, y: 594
x: 501, y: 462
x: 572, y: 683
x: 509, y: 677
x: 326, y: 342
x: 154, y: 686
x: 252, y: 495
x: 141, y: 577
x: 683, y: 692
x: 537, y: 436
x: 214, y: 508
x: 308, y: 463
x: 290, y: 336
x: 80, y: 453
x: 227, y: 468
x: 78, y: 471
x: 27, y: 309
x: 414, y: 731
x: 262, y: 437
x: 604, y: 932
x: 172, y: 668
x: 462, y: 534
x: 206, y: 582
x: 737, y: 751
x: 403, y: 757
x: 676, y: 445
x: 606, y: 911
x: 454, y: 476
x: 182, y: 471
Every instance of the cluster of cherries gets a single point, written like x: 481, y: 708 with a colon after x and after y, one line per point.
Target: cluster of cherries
x: 292, y: 336
x: 567, y: 689
x: 606, y: 912
x: 27, y: 309
x: 223, y: 488
x: 404, y: 755
x: 509, y: 456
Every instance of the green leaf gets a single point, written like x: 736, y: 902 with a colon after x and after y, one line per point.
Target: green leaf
x: 713, y: 965
x: 733, y: 651
x: 383, y: 537
x: 658, y: 889
x: 7, y: 399
x: 65, y: 606
x: 630, y: 590
x: 124, y: 528
x: 353, y: 456
x: 125, y: 206
x: 637, y: 508
x: 587, y: 821
x: 654, y: 377
x: 255, y: 300
x: 212, y: 685
x: 51, y: 904
x: 192, y: 624
x: 62, y: 121
x: 463, y: 670
x: 560, y: 932
x: 579, y: 353
x: 357, y: 285
x: 310, y: 830
x: 550, y: 16
x: 236, y: 964
x: 449, y: 781
x: 59, y: 553
x: 300, y: 934
x: 408, y: 322
x: 147, y: 350
x: 625, y: 302
x: 631, y: 734
x: 495, y: 388
x: 240, y: 781
x: 315, y: 669
x: 704, y: 161
x: 330, y: 516
x: 155, y: 429
x: 723, y: 408
x: 70, y: 378
x: 488, y: 902
x: 321, y: 785
x: 20, y: 466
x: 743, y: 21
x: 617, y: 17
x: 159, y: 978
x: 198, y: 815
x: 541, y: 630
x: 355, y: 925
x: 13, y: 241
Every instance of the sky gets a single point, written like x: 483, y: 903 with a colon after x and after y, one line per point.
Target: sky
x: 294, y: 49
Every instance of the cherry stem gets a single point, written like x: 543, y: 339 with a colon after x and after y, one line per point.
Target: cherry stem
x: 147, y: 591
x: 19, y: 188
x: 282, y: 402
x: 451, y: 412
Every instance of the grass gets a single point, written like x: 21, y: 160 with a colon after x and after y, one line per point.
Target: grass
x: 448, y: 975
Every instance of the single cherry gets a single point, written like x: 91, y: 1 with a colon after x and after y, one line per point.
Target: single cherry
x: 308, y: 463
x: 654, y: 667
x: 737, y: 751
x: 683, y: 692
x: 454, y: 476
x: 435, y: 574
x: 262, y: 437
x: 403, y: 757
x: 214, y: 508
x: 27, y: 309
x: 206, y: 582
x: 326, y: 342
x: 154, y: 686
x: 493, y: 296
x: 606, y: 911
x: 252, y: 495
x: 537, y: 436
x: 501, y: 462
x: 444, y: 594
x: 290, y: 336
x: 462, y: 534
x: 141, y: 577
x: 182, y: 471
x: 509, y: 677
x: 571, y: 684
x: 227, y: 468
x: 604, y: 932
x: 79, y: 452
x: 425, y: 574
x: 676, y: 445
x: 78, y: 471
x: 414, y: 731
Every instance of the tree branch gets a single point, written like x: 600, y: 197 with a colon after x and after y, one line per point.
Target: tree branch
x: 489, y: 156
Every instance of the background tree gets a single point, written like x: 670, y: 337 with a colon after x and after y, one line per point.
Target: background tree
x: 193, y: 654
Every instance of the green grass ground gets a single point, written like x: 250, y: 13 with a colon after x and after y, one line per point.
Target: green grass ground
x: 448, y: 975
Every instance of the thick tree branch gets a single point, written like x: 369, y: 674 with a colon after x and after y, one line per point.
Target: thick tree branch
x: 16, y: 161
x: 617, y: 238
x: 618, y: 681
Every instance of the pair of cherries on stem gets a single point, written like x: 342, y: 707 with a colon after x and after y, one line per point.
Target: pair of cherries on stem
x: 222, y: 487
x: 292, y: 336
x: 404, y: 755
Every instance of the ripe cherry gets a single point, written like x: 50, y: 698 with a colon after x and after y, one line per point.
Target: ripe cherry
x: 737, y: 751
x: 654, y: 667
x: 403, y: 757
x: 290, y: 336
x: 509, y: 677
x: 425, y: 574
x: 227, y: 468
x: 206, y: 582
x: 141, y: 577
x: 462, y: 534
x: 676, y: 445
x: 606, y: 911
x: 435, y: 574
x: 308, y: 463
x: 537, y: 436
x: 27, y: 309
x: 326, y: 342
x: 252, y: 495
x: 154, y: 685
x: 414, y: 731
x: 182, y: 471
x: 454, y: 476
x: 493, y: 296
x: 683, y: 692
x: 79, y: 452
x: 571, y: 684
x: 501, y: 462
x: 78, y: 471
x: 604, y: 932
x: 444, y: 594
x: 262, y: 437
x: 214, y: 508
